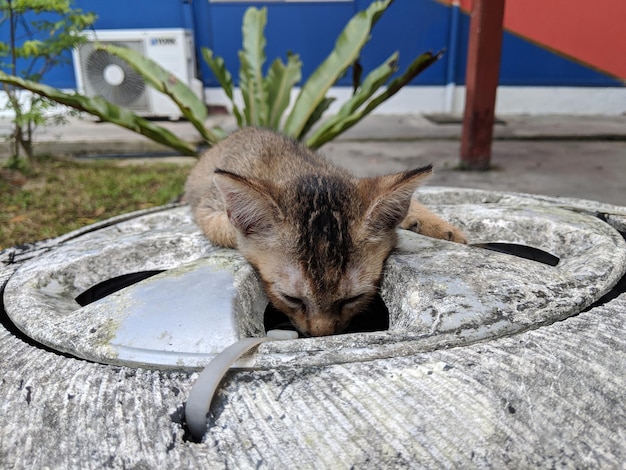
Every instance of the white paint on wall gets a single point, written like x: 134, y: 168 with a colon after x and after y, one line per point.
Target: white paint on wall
x: 441, y: 99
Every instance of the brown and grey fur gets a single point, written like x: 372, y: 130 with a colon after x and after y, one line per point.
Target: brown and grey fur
x: 317, y: 235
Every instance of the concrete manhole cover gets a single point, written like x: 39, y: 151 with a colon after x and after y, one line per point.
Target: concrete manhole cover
x: 183, y: 300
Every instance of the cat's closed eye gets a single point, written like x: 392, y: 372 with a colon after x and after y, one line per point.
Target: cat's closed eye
x: 293, y: 302
x: 349, y: 302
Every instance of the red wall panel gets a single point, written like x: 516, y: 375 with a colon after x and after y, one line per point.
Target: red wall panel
x: 590, y: 32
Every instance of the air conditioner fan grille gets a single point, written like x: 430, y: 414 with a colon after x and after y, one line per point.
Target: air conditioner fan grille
x: 113, y: 78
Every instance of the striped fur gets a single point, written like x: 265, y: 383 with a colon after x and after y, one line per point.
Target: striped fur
x: 317, y: 236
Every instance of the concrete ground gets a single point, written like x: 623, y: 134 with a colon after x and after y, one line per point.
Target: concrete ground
x: 573, y: 156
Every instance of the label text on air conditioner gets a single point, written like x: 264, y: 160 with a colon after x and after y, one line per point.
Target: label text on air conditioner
x: 163, y: 41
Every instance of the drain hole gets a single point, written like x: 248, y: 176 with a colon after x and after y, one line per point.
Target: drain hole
x: 112, y: 285
x: 375, y: 318
x: 521, y: 251
x: 276, y: 320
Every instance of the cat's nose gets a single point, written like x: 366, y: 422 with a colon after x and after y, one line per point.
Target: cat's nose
x: 322, y: 327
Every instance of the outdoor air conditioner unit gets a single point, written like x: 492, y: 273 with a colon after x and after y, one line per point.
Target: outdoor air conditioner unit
x: 99, y: 73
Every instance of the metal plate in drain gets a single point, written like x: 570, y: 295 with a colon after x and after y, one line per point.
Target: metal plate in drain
x: 438, y: 294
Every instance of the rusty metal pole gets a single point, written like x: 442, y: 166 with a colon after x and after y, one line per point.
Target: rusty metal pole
x: 481, y: 81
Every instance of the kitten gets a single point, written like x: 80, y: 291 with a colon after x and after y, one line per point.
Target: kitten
x: 317, y: 236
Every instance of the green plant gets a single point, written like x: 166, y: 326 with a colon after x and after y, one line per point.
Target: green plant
x: 266, y: 98
x: 104, y: 110
x: 39, y: 33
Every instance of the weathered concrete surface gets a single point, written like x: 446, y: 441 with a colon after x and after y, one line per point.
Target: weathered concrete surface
x: 180, y: 318
x: 547, y: 397
x: 438, y: 293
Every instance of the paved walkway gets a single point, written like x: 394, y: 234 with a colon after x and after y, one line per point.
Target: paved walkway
x: 574, y: 156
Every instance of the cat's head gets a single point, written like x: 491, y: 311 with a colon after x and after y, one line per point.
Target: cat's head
x: 319, y: 242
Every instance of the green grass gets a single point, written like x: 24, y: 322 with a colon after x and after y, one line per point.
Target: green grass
x: 53, y: 197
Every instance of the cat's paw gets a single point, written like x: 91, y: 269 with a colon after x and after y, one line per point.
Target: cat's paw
x: 435, y: 228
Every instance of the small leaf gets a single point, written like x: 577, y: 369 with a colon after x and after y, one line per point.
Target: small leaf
x: 279, y: 82
x: 29, y: 48
x: 166, y: 82
x: 372, y: 83
x: 251, y: 60
x: 105, y: 111
x: 224, y: 78
x: 347, y: 48
x: 217, y: 66
x: 317, y: 114
x: 415, y: 68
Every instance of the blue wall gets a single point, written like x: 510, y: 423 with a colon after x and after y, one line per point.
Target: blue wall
x: 310, y: 29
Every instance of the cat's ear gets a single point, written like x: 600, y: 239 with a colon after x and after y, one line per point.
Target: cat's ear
x: 249, y: 205
x: 389, y: 198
